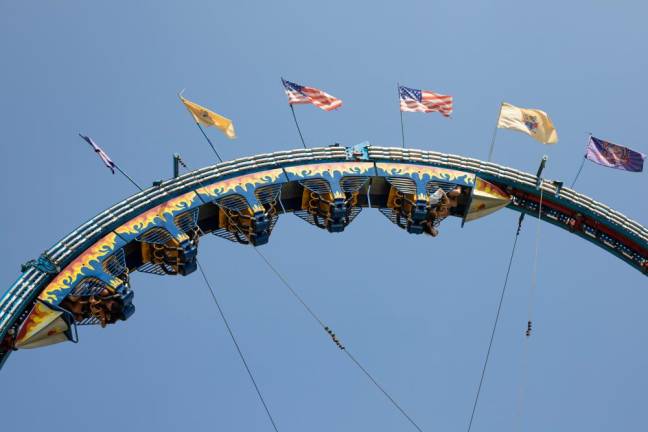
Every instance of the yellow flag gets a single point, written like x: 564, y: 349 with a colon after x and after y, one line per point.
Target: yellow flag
x: 530, y: 121
x: 209, y: 118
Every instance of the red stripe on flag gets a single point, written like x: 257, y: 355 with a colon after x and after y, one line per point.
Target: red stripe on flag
x: 430, y: 102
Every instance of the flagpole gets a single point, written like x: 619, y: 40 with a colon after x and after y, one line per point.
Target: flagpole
x: 401, y: 116
x: 209, y: 141
x: 128, y: 177
x: 589, y: 138
x: 402, y: 130
x: 492, y: 146
x: 578, y: 173
x: 297, y: 124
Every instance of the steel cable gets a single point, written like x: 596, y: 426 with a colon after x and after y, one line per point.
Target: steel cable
x: 343, y: 348
x: 238, y: 348
x: 532, y: 289
x: 497, y: 316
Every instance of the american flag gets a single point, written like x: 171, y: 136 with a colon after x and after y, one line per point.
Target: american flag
x: 102, y: 154
x: 413, y: 100
x: 298, y: 94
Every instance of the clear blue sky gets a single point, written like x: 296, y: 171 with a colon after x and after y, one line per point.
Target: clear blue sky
x: 416, y: 311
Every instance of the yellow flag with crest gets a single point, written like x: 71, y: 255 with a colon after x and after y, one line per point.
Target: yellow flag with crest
x: 533, y: 122
x: 209, y: 118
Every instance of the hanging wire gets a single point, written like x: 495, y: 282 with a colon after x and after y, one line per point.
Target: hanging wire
x: 316, y: 318
x: 287, y: 285
x: 342, y: 347
x: 497, y: 316
x: 229, y: 328
x: 529, y: 329
x: 238, y: 348
x: 534, y: 276
x: 379, y: 387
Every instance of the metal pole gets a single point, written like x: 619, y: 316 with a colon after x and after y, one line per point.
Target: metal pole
x: 297, y: 124
x: 578, y: 173
x: 541, y: 168
x: 492, y: 146
x: 209, y: 141
x: 176, y: 165
x: 401, y: 116
x: 589, y: 138
x: 127, y: 176
x: 177, y: 162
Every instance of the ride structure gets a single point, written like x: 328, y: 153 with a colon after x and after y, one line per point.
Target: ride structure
x: 84, y: 278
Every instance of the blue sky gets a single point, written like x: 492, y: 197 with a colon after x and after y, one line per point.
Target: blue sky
x: 416, y: 311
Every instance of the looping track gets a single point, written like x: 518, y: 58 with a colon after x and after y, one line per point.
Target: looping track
x: 563, y: 207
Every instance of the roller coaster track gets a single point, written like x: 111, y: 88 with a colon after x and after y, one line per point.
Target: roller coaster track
x: 563, y: 207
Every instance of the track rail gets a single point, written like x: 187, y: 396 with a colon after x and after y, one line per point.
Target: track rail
x: 564, y: 207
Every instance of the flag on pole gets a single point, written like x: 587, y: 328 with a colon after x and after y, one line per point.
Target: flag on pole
x: 413, y: 100
x: 102, y: 154
x: 532, y: 122
x: 209, y: 118
x: 298, y: 94
x: 614, y: 156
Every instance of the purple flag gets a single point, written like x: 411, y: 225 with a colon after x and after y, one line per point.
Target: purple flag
x: 614, y: 156
x: 102, y: 154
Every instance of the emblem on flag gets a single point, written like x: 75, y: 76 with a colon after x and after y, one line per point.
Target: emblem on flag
x: 618, y: 154
x: 209, y: 118
x: 614, y: 156
x: 298, y: 94
x: 531, y: 122
x: 415, y: 100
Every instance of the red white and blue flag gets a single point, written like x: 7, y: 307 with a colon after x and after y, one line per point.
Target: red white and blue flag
x: 102, y: 154
x: 614, y: 156
x: 298, y: 94
x: 414, y: 100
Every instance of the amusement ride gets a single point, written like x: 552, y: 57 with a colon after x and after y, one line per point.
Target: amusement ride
x: 84, y: 279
